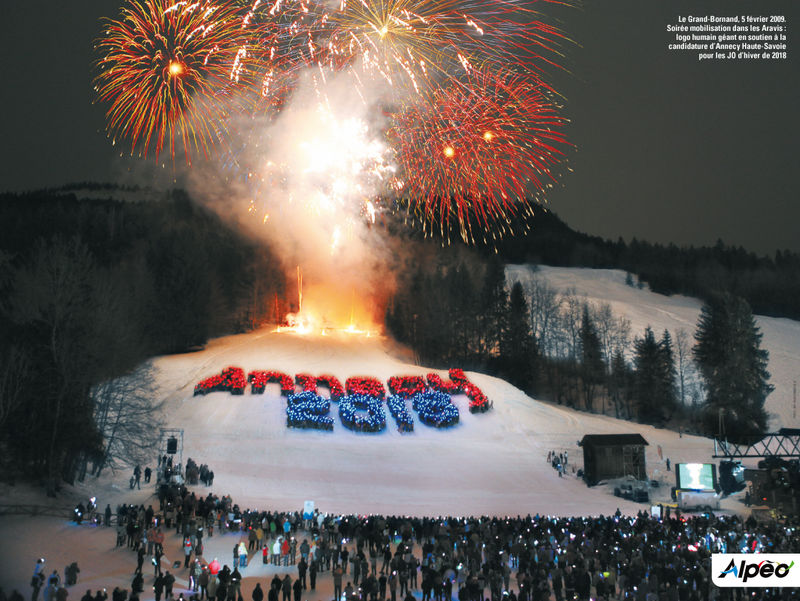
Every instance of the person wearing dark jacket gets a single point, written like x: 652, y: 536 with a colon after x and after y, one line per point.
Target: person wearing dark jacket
x: 337, y: 582
x: 36, y: 583
x: 297, y: 589
x: 169, y: 580
x: 312, y: 574
x: 71, y: 573
x: 301, y: 572
x: 258, y: 594
x: 158, y: 587
x: 222, y: 590
x: 137, y: 584
x: 569, y: 583
x: 236, y: 584
x: 202, y: 582
x: 583, y: 584
x: 140, y: 559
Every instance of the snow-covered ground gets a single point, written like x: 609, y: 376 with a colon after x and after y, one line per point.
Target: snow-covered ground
x: 492, y: 463
x: 781, y: 337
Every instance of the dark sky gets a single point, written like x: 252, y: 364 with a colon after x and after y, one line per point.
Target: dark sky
x: 668, y: 149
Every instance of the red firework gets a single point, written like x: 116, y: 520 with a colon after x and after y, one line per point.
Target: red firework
x: 165, y: 69
x: 478, y: 151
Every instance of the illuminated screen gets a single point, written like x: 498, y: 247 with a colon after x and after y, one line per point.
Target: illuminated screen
x: 695, y: 476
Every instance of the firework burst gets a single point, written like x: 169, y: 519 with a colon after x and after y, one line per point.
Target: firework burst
x: 165, y: 69
x: 473, y: 130
x: 418, y: 45
x: 474, y: 156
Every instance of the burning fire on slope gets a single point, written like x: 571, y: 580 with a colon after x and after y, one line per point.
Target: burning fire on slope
x: 307, y: 321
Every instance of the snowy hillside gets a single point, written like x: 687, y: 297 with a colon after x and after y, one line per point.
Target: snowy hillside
x: 643, y: 308
x: 490, y: 463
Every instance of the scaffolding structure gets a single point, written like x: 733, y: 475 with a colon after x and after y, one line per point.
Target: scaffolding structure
x: 176, y: 435
x: 785, y: 443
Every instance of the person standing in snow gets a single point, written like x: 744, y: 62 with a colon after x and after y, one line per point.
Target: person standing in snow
x: 285, y: 550
x: 211, y: 587
x: 194, y: 574
x: 242, y: 555
x: 71, y: 573
x: 169, y: 580
x: 137, y: 584
x: 158, y: 587
x: 235, y: 585
x: 36, y: 583
x: 272, y: 594
x: 302, y: 567
x: 53, y: 582
x: 187, y: 551
x: 276, y: 551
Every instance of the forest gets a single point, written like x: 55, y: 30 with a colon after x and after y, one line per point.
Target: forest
x: 91, y: 289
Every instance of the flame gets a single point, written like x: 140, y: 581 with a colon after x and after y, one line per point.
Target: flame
x: 176, y: 68
x: 308, y: 321
x: 306, y: 324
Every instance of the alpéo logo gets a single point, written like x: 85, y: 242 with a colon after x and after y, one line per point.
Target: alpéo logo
x: 764, y: 569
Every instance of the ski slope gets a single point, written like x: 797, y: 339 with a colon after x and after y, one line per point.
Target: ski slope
x: 781, y: 337
x: 492, y: 463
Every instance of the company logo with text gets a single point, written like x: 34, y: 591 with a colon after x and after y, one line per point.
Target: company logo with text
x: 756, y: 569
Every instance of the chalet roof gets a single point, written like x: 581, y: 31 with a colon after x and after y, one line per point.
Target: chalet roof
x: 612, y: 440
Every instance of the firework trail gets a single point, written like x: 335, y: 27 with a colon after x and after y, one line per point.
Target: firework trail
x: 421, y: 44
x: 413, y: 45
x: 165, y: 69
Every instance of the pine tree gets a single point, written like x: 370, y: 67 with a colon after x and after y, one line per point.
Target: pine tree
x: 734, y: 368
x: 592, y: 367
x: 669, y: 373
x: 654, y: 387
x: 493, y: 307
x: 619, y: 385
x: 517, y: 345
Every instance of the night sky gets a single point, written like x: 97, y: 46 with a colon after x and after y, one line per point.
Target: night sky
x: 668, y: 148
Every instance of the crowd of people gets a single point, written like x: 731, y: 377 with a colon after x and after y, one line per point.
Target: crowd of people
x: 198, y: 473
x: 391, y: 558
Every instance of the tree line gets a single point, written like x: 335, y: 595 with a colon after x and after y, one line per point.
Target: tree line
x: 558, y: 346
x: 769, y: 284
x: 89, y: 290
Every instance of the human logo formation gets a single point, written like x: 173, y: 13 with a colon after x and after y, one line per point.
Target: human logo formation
x: 361, y: 400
